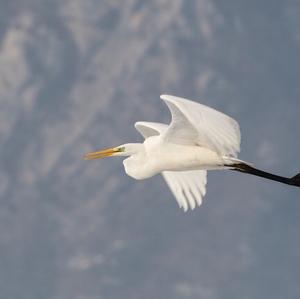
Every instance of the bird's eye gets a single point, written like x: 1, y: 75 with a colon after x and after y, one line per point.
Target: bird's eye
x: 121, y: 149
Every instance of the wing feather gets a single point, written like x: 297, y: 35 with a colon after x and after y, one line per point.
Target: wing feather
x: 188, y: 187
x: 193, y: 123
x: 148, y: 129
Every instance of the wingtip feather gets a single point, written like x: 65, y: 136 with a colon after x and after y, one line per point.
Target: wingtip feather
x: 167, y: 97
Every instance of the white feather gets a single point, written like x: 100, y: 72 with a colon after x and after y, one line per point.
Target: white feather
x: 198, y: 138
x: 193, y: 123
x: 197, y: 125
x: 148, y: 129
x: 188, y: 187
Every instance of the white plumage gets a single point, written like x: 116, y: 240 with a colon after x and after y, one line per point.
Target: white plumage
x: 196, y: 124
x: 198, y: 138
x: 188, y: 187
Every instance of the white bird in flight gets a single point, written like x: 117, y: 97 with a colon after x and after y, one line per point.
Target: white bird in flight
x: 198, y: 139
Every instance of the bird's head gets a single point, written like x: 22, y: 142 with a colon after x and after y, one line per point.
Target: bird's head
x: 134, y: 165
x: 127, y: 149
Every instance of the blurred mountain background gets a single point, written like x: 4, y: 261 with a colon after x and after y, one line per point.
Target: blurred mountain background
x: 74, y: 77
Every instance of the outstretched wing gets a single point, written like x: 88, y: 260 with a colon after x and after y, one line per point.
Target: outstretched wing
x: 188, y: 187
x: 196, y: 124
x: 148, y: 129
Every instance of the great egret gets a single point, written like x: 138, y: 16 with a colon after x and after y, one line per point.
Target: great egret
x: 198, y: 139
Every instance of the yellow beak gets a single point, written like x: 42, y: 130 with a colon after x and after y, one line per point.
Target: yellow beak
x: 101, y: 154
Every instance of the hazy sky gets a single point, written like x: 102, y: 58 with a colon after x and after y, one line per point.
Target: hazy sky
x: 74, y: 76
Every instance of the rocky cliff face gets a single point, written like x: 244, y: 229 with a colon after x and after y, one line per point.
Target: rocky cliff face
x: 74, y: 76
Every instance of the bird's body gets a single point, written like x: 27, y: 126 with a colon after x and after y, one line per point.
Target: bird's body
x: 156, y: 156
x: 198, y: 139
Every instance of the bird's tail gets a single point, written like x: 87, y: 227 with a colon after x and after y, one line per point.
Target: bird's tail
x: 231, y: 163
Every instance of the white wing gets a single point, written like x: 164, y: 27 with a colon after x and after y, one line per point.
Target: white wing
x: 188, y: 187
x: 148, y: 129
x: 193, y: 123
